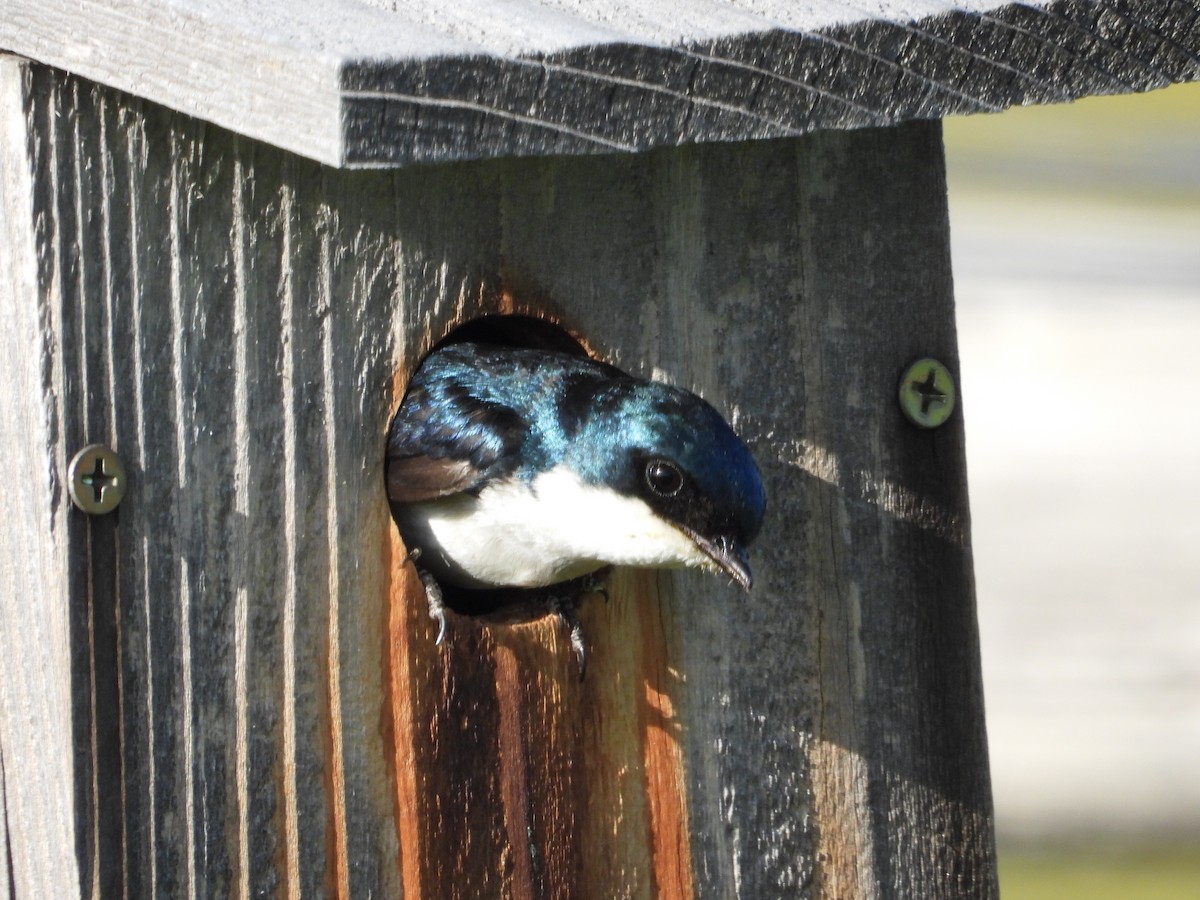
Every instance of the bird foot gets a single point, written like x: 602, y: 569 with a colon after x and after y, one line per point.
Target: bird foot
x: 433, y: 595
x: 567, y: 609
x: 565, y: 603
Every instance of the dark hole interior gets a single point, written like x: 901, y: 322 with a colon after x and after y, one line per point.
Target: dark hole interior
x: 514, y: 331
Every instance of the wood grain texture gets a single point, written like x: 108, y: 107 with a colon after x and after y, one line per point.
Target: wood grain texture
x: 393, y: 82
x: 38, y: 658
x: 250, y: 699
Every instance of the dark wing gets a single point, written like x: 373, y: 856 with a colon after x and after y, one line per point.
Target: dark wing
x: 447, y: 439
x: 414, y: 478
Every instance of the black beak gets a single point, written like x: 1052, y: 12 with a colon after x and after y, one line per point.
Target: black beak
x: 730, y: 557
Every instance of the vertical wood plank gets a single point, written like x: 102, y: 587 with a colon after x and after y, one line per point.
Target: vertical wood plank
x: 119, y: 239
x: 35, y: 692
x: 262, y: 282
x: 163, y: 729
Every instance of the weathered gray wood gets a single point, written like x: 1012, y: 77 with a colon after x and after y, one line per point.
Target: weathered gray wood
x: 391, y: 83
x: 37, y: 748
x: 813, y: 732
x: 271, y: 716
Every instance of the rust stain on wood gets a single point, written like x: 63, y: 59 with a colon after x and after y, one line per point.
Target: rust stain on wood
x: 665, y: 783
x: 515, y: 778
x: 635, y: 828
x: 399, y: 720
x: 514, y: 785
x: 538, y: 690
x: 465, y: 851
x: 337, y: 873
x: 615, y: 821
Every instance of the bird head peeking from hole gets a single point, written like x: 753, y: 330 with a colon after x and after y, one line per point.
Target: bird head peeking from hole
x: 526, y: 468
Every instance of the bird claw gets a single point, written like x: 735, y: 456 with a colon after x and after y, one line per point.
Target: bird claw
x: 567, y: 609
x: 437, y: 606
x: 433, y: 595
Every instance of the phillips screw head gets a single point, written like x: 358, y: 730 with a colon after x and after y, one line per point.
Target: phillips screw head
x: 96, y: 480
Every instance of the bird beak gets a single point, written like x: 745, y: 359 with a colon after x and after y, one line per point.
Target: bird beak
x: 728, y: 556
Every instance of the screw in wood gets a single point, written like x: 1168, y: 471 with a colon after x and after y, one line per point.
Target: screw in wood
x: 96, y: 480
x: 927, y: 394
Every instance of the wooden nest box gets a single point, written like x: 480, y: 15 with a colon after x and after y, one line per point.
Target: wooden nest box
x: 228, y: 234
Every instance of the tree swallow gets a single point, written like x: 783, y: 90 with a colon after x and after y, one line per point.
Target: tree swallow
x: 523, y: 468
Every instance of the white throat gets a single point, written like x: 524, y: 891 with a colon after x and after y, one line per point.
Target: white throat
x: 531, y: 534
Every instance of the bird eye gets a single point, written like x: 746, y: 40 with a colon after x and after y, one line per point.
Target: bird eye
x: 664, y: 478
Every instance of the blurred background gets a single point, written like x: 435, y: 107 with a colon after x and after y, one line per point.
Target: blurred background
x: 1076, y: 242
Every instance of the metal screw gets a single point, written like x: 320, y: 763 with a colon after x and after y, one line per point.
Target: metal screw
x: 927, y: 394
x: 96, y: 480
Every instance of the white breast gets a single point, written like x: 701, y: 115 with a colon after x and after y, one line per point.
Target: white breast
x: 530, y: 534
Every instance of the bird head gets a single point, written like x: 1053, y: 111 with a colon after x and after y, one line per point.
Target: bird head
x: 675, y: 453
